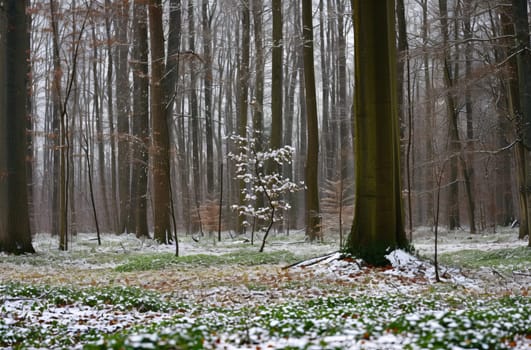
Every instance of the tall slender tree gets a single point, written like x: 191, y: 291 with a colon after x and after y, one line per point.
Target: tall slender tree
x: 243, y: 90
x: 378, y: 219
x: 206, y: 15
x: 313, y: 215
x: 56, y: 107
x: 122, y: 115
x: 276, y: 76
x: 140, y: 120
x: 326, y: 129
x: 454, y: 221
x: 111, y: 116
x: 194, y: 111
x: 258, y: 100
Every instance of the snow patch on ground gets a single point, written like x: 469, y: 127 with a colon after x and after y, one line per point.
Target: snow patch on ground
x: 406, y: 275
x: 407, y: 265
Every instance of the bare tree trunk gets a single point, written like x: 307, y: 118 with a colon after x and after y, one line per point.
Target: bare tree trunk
x: 55, y: 125
x: 122, y: 117
x: 5, y: 237
x: 159, y: 133
x: 15, y: 232
x: 378, y: 224
x: 207, y: 14
x: 427, y: 206
x: 328, y: 138
x: 102, y: 178
x: 452, y: 113
x: 243, y: 93
x: 30, y: 151
x: 523, y: 111
x: 140, y: 120
x: 313, y: 215
x: 466, y: 162
x: 194, y: 112
x: 170, y: 89
x: 277, y: 76
x: 342, y: 107
x: 115, y: 219
x: 58, y: 108
x: 258, y: 100
x: 503, y: 194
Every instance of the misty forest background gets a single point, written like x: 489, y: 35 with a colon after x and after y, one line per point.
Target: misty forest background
x: 226, y: 68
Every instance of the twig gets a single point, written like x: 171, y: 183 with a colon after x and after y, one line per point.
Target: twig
x: 123, y: 247
x: 286, y: 243
x: 498, y: 273
x: 313, y: 261
x: 521, y: 274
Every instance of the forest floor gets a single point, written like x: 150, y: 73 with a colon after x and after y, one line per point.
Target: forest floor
x: 135, y: 294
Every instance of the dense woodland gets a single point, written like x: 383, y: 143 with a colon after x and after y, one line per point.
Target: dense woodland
x: 132, y: 105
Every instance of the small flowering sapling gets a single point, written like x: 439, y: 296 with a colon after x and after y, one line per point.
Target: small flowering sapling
x: 262, y: 181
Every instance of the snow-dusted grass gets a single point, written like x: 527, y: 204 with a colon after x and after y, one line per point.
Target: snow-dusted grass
x: 135, y: 294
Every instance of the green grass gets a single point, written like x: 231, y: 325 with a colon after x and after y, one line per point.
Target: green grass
x: 161, y: 261
x: 427, y: 322
x: 125, y: 298
x: 505, y: 259
x: 55, y: 257
x: 20, y: 330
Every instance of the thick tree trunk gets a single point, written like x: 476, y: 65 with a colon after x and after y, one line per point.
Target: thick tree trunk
x: 15, y: 232
x: 523, y: 109
x: 5, y: 239
x: 159, y: 128
x: 30, y: 118
x: 378, y: 220
x: 140, y: 121
x: 342, y: 107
